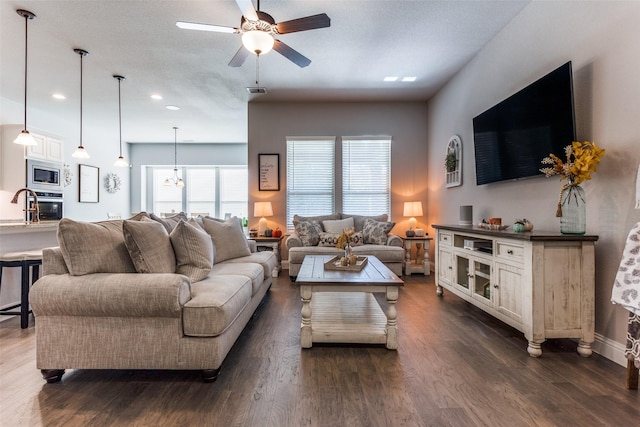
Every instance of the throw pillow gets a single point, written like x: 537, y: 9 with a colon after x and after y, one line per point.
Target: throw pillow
x: 139, y: 216
x: 331, y: 239
x: 149, y: 246
x: 375, y: 232
x: 170, y: 222
x: 309, y: 232
x: 89, y: 247
x: 228, y: 238
x: 358, y: 220
x: 194, y: 251
x: 337, y: 225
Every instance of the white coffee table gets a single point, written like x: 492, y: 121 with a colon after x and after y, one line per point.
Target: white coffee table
x: 339, y: 306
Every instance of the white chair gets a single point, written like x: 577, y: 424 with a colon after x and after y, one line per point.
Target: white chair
x: 112, y: 215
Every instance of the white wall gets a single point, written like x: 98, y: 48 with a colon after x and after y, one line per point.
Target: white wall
x: 271, y: 122
x: 602, y: 40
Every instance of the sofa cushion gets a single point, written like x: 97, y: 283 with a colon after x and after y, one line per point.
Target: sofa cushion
x: 193, y: 249
x: 375, y: 232
x: 149, y: 246
x: 384, y: 253
x: 228, y: 238
x: 170, y: 222
x: 331, y: 239
x: 94, y: 247
x: 337, y: 225
x: 308, y: 231
x: 251, y: 270
x: 317, y: 218
x: 266, y: 259
x: 214, y: 305
x: 358, y: 220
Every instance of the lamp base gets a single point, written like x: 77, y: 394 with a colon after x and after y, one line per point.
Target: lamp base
x: 262, y: 225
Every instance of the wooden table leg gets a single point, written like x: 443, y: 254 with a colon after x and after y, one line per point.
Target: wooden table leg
x: 392, y: 314
x: 305, y: 328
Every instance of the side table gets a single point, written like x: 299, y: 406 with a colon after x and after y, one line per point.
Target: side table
x: 273, y: 244
x: 420, y: 264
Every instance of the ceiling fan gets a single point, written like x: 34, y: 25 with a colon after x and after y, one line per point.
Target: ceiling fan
x: 259, y: 31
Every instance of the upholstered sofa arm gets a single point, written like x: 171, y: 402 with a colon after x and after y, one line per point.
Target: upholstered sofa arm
x: 293, y: 241
x: 394, y: 240
x: 253, y: 246
x: 53, y: 262
x: 110, y: 295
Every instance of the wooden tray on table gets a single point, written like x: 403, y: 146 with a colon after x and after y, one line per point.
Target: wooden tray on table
x: 334, y: 264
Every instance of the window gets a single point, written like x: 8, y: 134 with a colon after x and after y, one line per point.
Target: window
x: 310, y: 177
x: 212, y: 190
x: 364, y: 186
x: 366, y: 175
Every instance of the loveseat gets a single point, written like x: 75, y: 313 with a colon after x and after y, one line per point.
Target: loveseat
x: 146, y: 293
x: 318, y: 235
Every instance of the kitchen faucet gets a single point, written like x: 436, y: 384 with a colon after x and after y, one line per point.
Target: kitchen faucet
x: 35, y: 210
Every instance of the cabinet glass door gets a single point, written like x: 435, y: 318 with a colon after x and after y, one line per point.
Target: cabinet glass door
x: 462, y: 271
x: 482, y: 280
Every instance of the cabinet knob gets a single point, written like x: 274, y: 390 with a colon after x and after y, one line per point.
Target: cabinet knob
x: 510, y: 252
x: 450, y: 268
x: 495, y: 286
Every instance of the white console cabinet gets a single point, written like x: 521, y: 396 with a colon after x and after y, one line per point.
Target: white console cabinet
x: 541, y: 283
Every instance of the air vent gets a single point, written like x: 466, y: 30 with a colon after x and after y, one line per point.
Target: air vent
x: 257, y: 89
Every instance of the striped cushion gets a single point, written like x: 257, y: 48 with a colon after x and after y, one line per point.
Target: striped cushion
x: 193, y: 249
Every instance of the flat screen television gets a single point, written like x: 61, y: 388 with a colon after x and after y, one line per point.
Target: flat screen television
x: 511, y: 138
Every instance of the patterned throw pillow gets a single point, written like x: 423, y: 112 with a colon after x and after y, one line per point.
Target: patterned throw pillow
x: 309, y: 232
x: 328, y: 240
x: 375, y: 232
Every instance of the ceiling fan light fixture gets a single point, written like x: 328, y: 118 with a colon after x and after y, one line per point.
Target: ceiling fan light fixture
x: 258, y: 42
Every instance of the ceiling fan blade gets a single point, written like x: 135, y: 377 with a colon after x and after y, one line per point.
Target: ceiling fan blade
x: 239, y: 58
x: 247, y: 9
x: 206, y: 27
x: 291, y: 54
x: 303, y: 24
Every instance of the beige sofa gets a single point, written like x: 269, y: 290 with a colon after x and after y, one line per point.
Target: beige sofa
x: 317, y: 235
x: 134, y: 295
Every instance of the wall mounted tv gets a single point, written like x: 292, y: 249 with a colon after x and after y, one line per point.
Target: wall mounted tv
x: 511, y: 138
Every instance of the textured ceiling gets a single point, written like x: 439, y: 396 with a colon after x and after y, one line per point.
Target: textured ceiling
x: 367, y: 40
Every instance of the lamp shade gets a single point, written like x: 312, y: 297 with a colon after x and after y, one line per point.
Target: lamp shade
x: 262, y: 209
x: 412, y: 209
x: 258, y: 42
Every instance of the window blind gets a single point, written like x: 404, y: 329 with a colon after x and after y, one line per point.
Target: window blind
x: 310, y: 177
x: 366, y: 175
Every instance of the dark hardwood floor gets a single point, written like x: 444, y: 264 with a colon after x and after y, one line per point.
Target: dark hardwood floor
x: 455, y: 366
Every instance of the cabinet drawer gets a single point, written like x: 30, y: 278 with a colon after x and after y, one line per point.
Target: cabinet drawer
x: 510, y: 251
x: 445, y: 238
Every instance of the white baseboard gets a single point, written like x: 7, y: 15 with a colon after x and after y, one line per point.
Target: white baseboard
x: 610, y: 349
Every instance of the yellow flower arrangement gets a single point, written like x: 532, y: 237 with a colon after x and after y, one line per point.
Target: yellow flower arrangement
x: 582, y: 160
x: 343, y: 240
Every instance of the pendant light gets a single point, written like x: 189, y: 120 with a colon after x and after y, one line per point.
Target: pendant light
x: 121, y: 162
x: 25, y: 138
x: 80, y: 152
x: 174, y: 180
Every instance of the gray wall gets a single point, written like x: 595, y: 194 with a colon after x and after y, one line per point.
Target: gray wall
x: 187, y: 154
x: 602, y: 40
x: 271, y: 123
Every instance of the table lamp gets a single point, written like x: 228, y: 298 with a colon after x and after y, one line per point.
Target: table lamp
x: 412, y: 209
x: 262, y: 209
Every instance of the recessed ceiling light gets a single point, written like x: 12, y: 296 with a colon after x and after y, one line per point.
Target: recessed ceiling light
x: 154, y: 96
x: 173, y: 107
x: 390, y: 78
x: 59, y: 96
x: 409, y: 79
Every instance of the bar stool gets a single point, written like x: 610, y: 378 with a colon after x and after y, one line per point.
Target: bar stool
x: 29, y: 260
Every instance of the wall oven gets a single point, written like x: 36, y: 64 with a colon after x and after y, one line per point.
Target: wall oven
x: 50, y: 205
x: 44, y: 176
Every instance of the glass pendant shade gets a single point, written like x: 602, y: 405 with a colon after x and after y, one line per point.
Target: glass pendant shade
x: 175, y: 179
x: 80, y: 153
x: 258, y: 42
x: 25, y: 138
x: 167, y: 183
x: 121, y: 162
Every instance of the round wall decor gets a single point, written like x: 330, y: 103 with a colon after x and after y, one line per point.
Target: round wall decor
x: 112, y: 182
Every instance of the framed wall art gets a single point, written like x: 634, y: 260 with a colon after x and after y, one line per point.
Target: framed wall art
x: 89, y: 178
x: 269, y: 172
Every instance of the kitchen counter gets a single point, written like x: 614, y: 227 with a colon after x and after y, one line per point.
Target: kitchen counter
x: 17, y: 226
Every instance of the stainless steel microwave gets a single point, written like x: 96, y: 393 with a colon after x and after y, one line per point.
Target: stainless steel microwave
x: 44, y: 176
